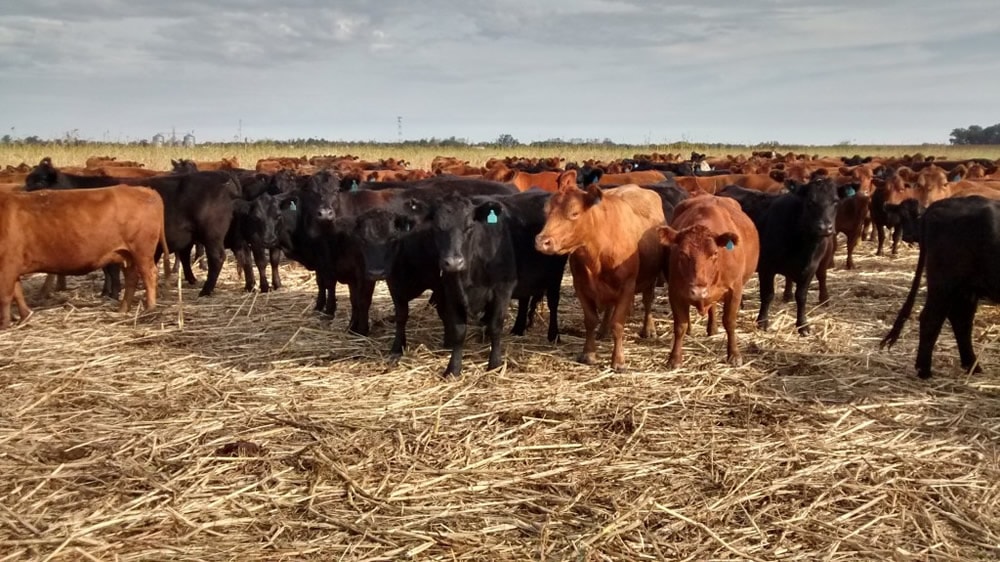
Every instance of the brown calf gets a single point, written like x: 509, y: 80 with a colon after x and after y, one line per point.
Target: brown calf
x: 714, y: 250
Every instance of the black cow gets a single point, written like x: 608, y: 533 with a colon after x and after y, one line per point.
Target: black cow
x: 538, y: 275
x: 478, y: 270
x: 395, y: 250
x: 253, y: 234
x: 796, y: 229
x: 198, y: 208
x: 959, y: 242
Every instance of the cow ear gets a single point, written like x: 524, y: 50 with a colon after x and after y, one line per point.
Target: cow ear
x: 593, y: 177
x: 567, y: 179
x: 844, y: 171
x: 793, y: 186
x: 508, y: 176
x: 727, y: 240
x: 593, y: 196
x: 490, y: 212
x: 667, y: 235
x: 777, y: 175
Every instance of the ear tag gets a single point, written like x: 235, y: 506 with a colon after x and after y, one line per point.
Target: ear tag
x: 354, y: 185
x: 956, y: 177
x: 291, y: 206
x: 492, y: 217
x: 729, y: 245
x: 406, y: 227
x: 850, y: 192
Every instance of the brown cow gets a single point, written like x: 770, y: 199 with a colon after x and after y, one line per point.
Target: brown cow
x: 645, y: 177
x: 523, y: 181
x: 614, y: 252
x: 714, y: 250
x: 76, y: 231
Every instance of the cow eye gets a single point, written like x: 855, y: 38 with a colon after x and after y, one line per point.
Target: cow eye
x: 574, y: 215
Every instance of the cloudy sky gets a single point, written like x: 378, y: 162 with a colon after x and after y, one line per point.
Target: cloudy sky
x: 795, y: 71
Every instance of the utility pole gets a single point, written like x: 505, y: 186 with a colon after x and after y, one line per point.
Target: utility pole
x: 399, y: 128
x: 239, y: 131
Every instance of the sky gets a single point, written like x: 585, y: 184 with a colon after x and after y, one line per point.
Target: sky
x: 635, y: 71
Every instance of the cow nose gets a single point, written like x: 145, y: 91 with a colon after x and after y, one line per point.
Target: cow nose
x: 699, y: 292
x: 543, y: 243
x: 453, y: 263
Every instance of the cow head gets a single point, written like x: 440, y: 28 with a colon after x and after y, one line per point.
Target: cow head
x: 183, y: 166
x: 265, y: 217
x: 931, y: 185
x: 568, y: 221
x: 43, y: 176
x: 819, y: 205
x: 378, y: 232
x: 462, y: 227
x: 318, y: 198
x: 908, y: 214
x: 694, y: 258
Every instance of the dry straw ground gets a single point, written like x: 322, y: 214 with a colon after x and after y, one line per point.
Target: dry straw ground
x: 260, y: 431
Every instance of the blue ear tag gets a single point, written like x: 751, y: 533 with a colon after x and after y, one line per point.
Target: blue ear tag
x: 850, y: 192
x: 729, y: 245
x: 956, y: 177
x: 291, y: 206
x: 354, y: 185
x: 492, y: 217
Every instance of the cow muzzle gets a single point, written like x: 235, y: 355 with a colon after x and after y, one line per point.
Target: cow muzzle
x: 544, y: 244
x: 453, y: 264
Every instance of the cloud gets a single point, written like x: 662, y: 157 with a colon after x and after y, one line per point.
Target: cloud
x: 798, y: 71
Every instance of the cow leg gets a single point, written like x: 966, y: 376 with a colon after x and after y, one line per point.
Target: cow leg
x: 961, y: 314
x: 23, y: 311
x: 46, y: 289
x: 766, y: 296
x: 494, y: 328
x: 730, y: 311
x: 112, y: 281
x: 552, y: 298
x: 852, y: 241
x: 60, y: 282
x: 275, y: 258
x: 897, y: 236
x: 401, y: 309
x: 200, y: 253
x: 532, y: 310
x: 260, y: 260
x: 880, y: 232
x: 713, y: 325
x: 5, y: 301
x: 789, y: 294
x: 184, y: 256
x: 148, y: 274
x: 648, y: 329
x: 321, y: 293
x: 602, y: 331
x: 244, y: 268
x: 215, y: 254
x: 361, y: 302
x: 521, y: 321
x: 621, y: 311
x: 931, y: 320
x: 589, y: 354
x: 801, y: 293
x: 460, y: 329
x: 681, y: 312
x: 824, y: 292
x: 131, y: 281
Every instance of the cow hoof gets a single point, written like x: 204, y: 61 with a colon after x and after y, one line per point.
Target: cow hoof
x: 587, y: 358
x: 972, y: 370
x: 924, y: 373
x: 763, y: 325
x: 735, y: 360
x: 804, y: 330
x: 449, y: 374
x: 674, y: 363
x: 265, y: 289
x: 619, y: 368
x: 393, y: 359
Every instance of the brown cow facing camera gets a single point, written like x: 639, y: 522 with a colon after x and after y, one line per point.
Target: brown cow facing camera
x: 714, y: 250
x: 614, y: 251
x: 74, y: 232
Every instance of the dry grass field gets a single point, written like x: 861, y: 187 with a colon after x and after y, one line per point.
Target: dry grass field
x: 420, y: 157
x: 247, y: 427
x: 261, y: 431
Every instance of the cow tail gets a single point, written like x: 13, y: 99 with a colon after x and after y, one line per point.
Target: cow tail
x: 165, y: 249
x: 904, y: 312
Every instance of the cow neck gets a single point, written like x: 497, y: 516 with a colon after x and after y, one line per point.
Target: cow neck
x: 603, y: 248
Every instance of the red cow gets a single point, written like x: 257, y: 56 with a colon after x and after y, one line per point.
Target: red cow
x: 76, y: 231
x: 614, y: 252
x: 714, y: 250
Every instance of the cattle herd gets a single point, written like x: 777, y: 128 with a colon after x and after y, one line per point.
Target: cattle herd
x: 477, y: 238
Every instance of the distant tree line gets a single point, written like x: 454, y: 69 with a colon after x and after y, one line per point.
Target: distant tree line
x: 975, y: 134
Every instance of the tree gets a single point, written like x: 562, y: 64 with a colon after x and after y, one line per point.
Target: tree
x: 507, y: 140
x: 976, y: 134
